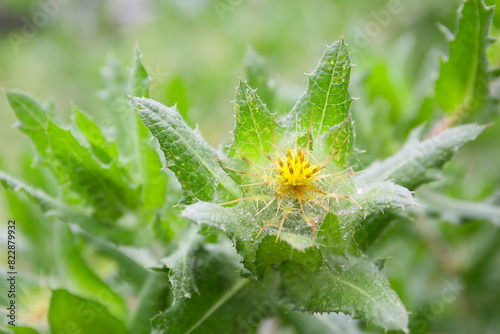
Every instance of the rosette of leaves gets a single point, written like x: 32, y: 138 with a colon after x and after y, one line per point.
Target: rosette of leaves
x: 318, y: 271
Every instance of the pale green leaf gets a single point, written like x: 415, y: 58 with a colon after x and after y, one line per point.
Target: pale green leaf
x: 83, y: 216
x: 418, y: 161
x: 191, y: 159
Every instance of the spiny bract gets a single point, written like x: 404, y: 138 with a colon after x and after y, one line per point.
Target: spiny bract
x: 293, y: 189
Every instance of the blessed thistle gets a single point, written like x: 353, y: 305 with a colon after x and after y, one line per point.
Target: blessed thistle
x: 291, y: 171
x: 285, y: 194
x: 294, y: 184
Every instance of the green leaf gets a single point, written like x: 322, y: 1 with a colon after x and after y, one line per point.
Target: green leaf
x: 352, y: 286
x: 338, y: 230
x: 79, y: 278
x: 255, y: 125
x: 106, y: 187
x: 237, y: 222
x: 225, y: 302
x: 192, y: 160
x: 72, y: 314
x: 180, y: 264
x: 139, y: 78
x: 33, y: 117
x: 102, y: 149
x: 463, y: 81
x: 418, y: 161
x: 327, y: 98
x: 317, y: 281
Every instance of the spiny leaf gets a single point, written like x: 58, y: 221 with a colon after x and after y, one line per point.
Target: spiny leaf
x: 418, y: 161
x: 78, y: 277
x: 193, y: 160
x: 237, y: 222
x: 181, y: 265
x: 255, y: 125
x: 463, y: 81
x: 316, y: 281
x: 352, y: 286
x: 327, y: 96
x: 104, y: 186
x: 337, y: 231
x: 86, y: 315
x: 225, y: 301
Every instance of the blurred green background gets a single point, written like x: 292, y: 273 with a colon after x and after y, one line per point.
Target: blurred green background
x: 200, y: 45
x: 195, y: 49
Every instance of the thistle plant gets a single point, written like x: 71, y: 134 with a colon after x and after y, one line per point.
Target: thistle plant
x: 288, y: 194
x: 276, y: 224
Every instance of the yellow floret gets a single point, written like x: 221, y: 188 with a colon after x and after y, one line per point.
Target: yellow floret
x: 295, y: 170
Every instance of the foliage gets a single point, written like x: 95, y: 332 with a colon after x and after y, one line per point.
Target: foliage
x: 150, y: 229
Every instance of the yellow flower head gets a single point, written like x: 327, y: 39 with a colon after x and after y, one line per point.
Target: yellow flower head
x: 296, y: 171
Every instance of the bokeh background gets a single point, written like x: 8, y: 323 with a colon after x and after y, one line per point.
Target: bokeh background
x: 196, y: 49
